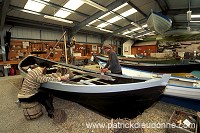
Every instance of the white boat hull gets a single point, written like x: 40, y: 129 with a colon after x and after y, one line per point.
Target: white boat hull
x: 177, y: 86
x: 158, y: 23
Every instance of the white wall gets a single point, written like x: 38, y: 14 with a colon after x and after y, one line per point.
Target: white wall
x: 127, y: 47
x: 32, y: 33
x: 40, y: 34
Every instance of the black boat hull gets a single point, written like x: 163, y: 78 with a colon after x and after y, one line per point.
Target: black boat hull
x: 127, y: 104
x: 159, y: 68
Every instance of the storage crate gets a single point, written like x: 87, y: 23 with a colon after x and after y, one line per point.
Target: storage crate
x: 182, y: 122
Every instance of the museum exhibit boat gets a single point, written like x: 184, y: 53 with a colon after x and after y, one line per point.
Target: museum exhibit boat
x: 112, y: 95
x: 181, y: 67
x: 159, y: 22
x: 188, y: 88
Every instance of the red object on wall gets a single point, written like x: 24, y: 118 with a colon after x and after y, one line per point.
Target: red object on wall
x: 144, y: 49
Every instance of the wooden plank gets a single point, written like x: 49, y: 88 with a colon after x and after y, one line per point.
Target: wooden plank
x: 86, y: 82
x: 105, y: 77
x: 90, y: 80
x: 9, y: 62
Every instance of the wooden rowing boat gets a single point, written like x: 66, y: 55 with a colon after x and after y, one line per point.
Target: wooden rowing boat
x: 112, y: 95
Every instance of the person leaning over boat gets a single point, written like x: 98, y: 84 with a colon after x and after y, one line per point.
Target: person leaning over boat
x: 30, y: 88
x: 113, y: 62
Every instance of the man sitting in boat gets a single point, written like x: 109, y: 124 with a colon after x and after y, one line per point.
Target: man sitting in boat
x: 30, y: 88
x: 113, y: 62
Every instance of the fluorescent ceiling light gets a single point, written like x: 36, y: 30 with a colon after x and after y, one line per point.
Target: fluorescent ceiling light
x: 127, y: 32
x: 71, y: 4
x: 91, y: 3
x: 195, y: 16
x: 106, y: 30
x: 128, y: 36
x: 149, y: 33
x: 144, y: 26
x: 195, y: 21
x: 34, y: 6
x: 92, y: 22
x: 135, y: 24
x: 108, y: 13
x: 139, y: 36
x: 58, y: 19
x: 31, y: 12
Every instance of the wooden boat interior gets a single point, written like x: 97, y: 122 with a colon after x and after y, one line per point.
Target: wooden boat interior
x: 77, y: 74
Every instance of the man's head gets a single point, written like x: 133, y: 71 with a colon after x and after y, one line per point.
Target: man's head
x: 106, y: 47
x: 44, y: 66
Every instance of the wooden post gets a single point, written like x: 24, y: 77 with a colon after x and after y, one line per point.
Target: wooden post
x: 65, y: 49
x: 55, y: 45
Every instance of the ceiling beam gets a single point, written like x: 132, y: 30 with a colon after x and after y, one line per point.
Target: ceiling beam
x: 3, y: 13
x: 137, y: 8
x: 173, y: 12
x: 160, y: 5
x: 185, y: 23
x: 166, y: 5
x: 110, y: 7
x: 14, y: 21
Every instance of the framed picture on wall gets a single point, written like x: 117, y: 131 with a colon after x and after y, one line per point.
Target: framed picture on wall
x: 94, y: 48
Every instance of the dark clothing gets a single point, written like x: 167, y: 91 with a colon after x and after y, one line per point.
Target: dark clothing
x: 118, y: 73
x: 43, y: 98
x: 113, y: 63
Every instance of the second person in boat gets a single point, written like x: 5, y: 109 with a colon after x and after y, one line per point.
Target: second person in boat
x: 113, y: 62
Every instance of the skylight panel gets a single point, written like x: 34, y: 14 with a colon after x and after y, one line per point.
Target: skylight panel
x: 93, y: 21
x: 144, y: 26
x: 108, y: 13
x: 120, y: 7
x: 34, y: 6
x: 62, y: 14
x: 117, y: 18
x: 72, y: 4
x: 129, y: 12
x: 127, y: 32
x: 136, y: 29
x: 112, y: 20
x: 102, y: 25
